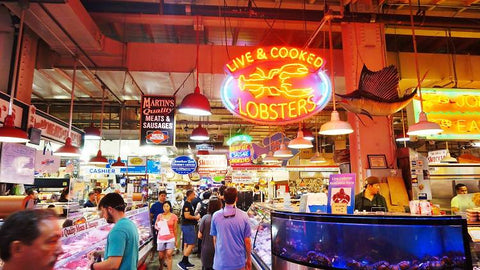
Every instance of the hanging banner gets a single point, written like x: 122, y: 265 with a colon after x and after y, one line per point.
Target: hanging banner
x: 46, y: 162
x: 17, y: 164
x: 157, y: 120
x: 55, y: 129
x: 240, y: 154
x: 276, y: 85
x: 457, y: 111
x: 341, y: 194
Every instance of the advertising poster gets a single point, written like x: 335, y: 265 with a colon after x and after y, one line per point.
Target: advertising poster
x: 17, y: 164
x: 157, y: 120
x: 46, y: 162
x: 184, y: 165
x: 341, y: 194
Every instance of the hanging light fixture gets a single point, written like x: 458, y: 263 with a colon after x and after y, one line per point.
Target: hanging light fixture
x: 307, y: 134
x: 68, y: 150
x: 335, y: 126
x: 423, y: 127
x: 283, y: 152
x: 300, y: 142
x: 317, y: 157
x: 99, y: 159
x: 119, y: 162
x: 199, y: 133
x: 8, y: 132
x: 269, y: 158
x: 92, y: 133
x: 448, y: 158
x: 196, y: 103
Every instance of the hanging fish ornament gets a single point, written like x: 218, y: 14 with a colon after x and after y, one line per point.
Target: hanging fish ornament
x: 377, y: 94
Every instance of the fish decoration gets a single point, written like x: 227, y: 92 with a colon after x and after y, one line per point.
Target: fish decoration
x: 377, y: 94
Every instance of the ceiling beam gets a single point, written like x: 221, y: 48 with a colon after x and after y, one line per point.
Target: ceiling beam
x: 77, y: 83
x: 55, y: 81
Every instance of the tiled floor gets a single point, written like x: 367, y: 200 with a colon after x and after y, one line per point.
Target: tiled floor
x: 154, y: 264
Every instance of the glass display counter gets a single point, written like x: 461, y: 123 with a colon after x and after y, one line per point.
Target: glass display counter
x: 261, y: 235
x: 306, y: 241
x: 81, y: 239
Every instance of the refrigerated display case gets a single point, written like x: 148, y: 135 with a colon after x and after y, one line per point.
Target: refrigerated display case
x: 305, y: 241
x: 259, y: 214
x: 81, y: 239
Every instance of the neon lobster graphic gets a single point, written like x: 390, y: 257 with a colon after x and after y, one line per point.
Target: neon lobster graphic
x: 279, y: 81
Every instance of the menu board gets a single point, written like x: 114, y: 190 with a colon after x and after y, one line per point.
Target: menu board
x: 157, y: 126
x: 17, y: 164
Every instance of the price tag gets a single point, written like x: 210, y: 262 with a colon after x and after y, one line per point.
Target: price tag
x: 339, y: 208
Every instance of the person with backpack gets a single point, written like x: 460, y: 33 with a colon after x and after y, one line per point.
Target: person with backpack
x: 207, y: 247
x: 202, y: 210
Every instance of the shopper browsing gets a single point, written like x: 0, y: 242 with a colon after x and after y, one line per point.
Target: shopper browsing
x: 166, y: 225
x: 206, y: 247
x: 121, y: 251
x: 156, y: 209
x: 231, y: 235
x: 189, y: 220
x: 31, y: 239
x: 91, y: 199
x: 29, y: 200
x: 461, y: 202
x: 370, y: 199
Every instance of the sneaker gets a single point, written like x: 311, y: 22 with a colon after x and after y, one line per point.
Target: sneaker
x: 182, y: 265
x: 189, y: 265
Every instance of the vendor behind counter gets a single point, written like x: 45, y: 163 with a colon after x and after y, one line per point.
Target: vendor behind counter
x: 462, y: 201
x: 370, y: 199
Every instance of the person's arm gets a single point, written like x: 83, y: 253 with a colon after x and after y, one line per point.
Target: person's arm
x: 111, y: 263
x: 248, y: 251
x: 197, y: 209
x: 454, y: 205
x: 214, y: 242
x: 156, y: 221
x: 188, y: 215
x: 175, y: 224
x: 201, y: 227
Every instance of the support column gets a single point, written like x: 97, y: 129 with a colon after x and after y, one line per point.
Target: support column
x: 364, y: 43
x: 26, y: 66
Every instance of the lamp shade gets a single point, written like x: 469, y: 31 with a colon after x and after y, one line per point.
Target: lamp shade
x: 424, y: 127
x: 335, y: 126
x: 307, y: 134
x: 118, y: 163
x: 318, y: 158
x: 92, y: 133
x: 68, y: 150
x: 270, y: 158
x: 9, y: 133
x: 283, y: 152
x: 98, y: 159
x: 300, y: 142
x: 195, y: 104
x: 448, y: 158
x: 402, y: 138
x: 199, y: 134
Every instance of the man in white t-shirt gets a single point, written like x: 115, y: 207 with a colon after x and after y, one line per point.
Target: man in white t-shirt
x: 462, y: 201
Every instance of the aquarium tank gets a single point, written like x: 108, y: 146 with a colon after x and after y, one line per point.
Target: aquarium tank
x: 371, y: 242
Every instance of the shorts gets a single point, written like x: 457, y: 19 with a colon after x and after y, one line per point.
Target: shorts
x: 189, y: 234
x: 164, y: 245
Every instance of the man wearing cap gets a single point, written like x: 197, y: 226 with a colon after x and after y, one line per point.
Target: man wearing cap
x: 370, y: 199
x: 121, y: 251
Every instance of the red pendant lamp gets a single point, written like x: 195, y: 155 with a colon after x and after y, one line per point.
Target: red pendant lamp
x: 99, y: 159
x: 196, y: 103
x: 8, y: 132
x: 68, y: 150
x: 307, y: 134
x: 200, y: 133
x: 92, y: 133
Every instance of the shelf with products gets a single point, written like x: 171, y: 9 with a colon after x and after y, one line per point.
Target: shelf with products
x: 81, y: 239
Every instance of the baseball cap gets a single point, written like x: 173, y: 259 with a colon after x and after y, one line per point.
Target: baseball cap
x: 372, y: 180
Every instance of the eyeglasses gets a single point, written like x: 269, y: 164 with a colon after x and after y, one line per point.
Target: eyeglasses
x: 230, y: 216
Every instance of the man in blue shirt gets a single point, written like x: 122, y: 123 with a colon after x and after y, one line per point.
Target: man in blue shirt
x: 157, y: 207
x: 231, y: 235
x: 121, y: 251
x: 91, y: 199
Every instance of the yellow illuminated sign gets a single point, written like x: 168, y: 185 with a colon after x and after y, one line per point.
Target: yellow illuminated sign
x: 457, y: 111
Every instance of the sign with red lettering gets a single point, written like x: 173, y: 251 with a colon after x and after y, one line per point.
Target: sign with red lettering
x: 54, y: 128
x: 240, y: 154
x: 276, y: 85
x: 157, y: 126
x: 212, y: 164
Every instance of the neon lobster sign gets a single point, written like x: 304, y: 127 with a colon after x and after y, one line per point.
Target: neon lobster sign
x: 276, y: 85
